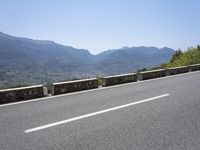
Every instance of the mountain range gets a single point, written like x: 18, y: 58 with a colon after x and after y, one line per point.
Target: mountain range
x: 25, y: 61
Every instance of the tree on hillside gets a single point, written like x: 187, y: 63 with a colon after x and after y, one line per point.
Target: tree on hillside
x: 198, y: 47
x: 176, y: 55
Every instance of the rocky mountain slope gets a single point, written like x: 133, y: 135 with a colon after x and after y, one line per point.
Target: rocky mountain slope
x: 25, y: 61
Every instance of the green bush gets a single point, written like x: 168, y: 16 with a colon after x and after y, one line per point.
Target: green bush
x: 189, y: 57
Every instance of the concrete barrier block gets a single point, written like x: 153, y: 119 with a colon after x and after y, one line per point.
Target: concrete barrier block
x: 74, y: 86
x: 194, y: 67
x: 119, y: 79
x: 151, y: 74
x: 177, y: 70
x: 45, y: 91
x: 20, y: 94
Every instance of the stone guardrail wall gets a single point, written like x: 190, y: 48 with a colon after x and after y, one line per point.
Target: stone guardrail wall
x: 195, y: 67
x: 177, y: 70
x: 23, y: 93
x: 119, y: 79
x: 133, y: 77
x: 151, y: 74
x: 38, y: 91
x: 74, y: 86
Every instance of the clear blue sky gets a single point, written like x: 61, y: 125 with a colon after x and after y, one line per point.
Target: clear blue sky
x: 99, y: 25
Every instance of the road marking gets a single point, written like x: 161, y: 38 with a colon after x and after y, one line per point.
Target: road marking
x: 92, y: 114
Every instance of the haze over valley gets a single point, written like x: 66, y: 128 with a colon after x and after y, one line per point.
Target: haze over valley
x: 25, y: 61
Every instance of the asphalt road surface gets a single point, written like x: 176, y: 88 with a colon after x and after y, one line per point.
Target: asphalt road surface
x: 161, y: 114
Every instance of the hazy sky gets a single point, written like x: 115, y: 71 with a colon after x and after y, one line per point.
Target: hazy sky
x: 99, y: 25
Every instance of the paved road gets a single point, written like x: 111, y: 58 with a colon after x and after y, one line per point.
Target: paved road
x: 127, y: 117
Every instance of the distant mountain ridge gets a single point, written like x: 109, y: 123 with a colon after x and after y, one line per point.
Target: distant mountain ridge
x: 134, y: 58
x: 27, y: 61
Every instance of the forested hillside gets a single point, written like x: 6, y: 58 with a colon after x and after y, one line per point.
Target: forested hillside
x: 184, y: 58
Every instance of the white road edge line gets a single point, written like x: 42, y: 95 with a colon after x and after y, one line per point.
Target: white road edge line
x: 97, y: 89
x: 92, y: 114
